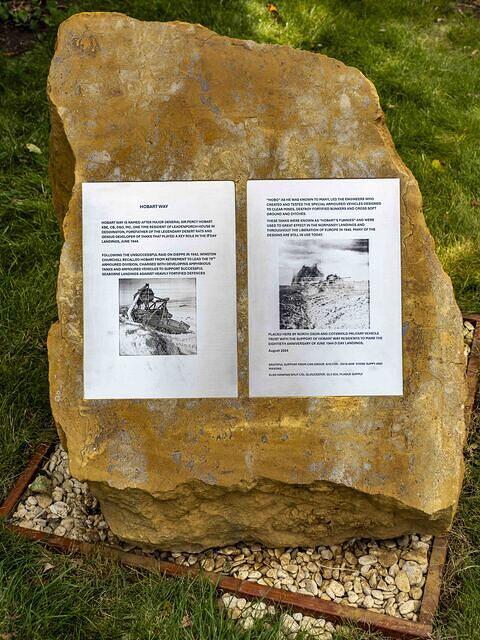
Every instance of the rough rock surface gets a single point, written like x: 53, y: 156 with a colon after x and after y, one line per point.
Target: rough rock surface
x: 170, y: 101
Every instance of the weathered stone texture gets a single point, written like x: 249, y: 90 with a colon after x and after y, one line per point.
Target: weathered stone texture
x: 134, y: 100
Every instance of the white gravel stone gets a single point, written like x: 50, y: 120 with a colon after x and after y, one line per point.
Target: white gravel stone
x: 60, y: 509
x: 208, y: 564
x: 57, y: 494
x: 337, y: 588
x: 59, y: 531
x: 67, y: 524
x: 350, y: 558
x: 402, y: 581
x: 289, y: 624
x: 414, y: 572
x: 312, y: 587
x: 258, y: 610
x: 44, y: 501
x: 254, y: 575
x: 407, y: 607
x: 416, y: 593
x: 229, y: 600
x: 21, y: 512
x: 385, y: 576
x: 387, y: 558
x: 247, y: 623
x: 368, y: 602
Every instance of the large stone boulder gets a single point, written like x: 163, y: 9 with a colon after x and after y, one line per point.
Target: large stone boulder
x: 137, y: 100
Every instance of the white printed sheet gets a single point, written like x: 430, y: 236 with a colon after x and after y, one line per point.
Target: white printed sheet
x: 324, y: 287
x: 159, y: 290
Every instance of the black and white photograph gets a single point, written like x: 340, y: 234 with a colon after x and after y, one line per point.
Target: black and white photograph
x: 157, y: 317
x: 324, y: 284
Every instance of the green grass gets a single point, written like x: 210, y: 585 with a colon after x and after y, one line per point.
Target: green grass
x: 89, y: 599
x: 419, y: 54
x: 46, y: 596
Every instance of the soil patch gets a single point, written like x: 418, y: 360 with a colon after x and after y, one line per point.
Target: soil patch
x: 15, y: 40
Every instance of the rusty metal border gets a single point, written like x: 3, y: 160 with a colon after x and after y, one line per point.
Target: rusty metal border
x: 390, y: 626
x: 24, y: 479
x: 473, y: 367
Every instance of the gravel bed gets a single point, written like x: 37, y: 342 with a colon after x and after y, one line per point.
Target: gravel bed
x: 468, y: 331
x: 385, y: 576
x: 59, y: 504
x: 246, y: 613
x: 382, y: 576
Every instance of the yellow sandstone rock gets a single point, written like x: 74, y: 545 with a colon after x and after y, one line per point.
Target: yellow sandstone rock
x: 137, y: 100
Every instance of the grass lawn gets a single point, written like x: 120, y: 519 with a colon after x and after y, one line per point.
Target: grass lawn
x: 423, y: 58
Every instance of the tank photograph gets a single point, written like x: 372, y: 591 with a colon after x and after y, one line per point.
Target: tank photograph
x: 158, y: 317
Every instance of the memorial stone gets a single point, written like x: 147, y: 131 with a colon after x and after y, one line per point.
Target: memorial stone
x: 146, y: 101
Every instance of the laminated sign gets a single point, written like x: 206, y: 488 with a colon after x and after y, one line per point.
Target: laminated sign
x: 324, y: 287
x: 159, y: 290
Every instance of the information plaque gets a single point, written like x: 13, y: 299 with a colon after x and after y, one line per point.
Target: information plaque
x: 159, y: 290
x: 324, y: 287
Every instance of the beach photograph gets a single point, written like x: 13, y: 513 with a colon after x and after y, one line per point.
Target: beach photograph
x: 324, y: 284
